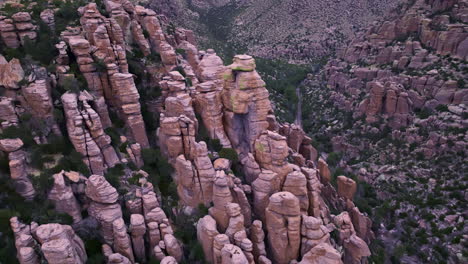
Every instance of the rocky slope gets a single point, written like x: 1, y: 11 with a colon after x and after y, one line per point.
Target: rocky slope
x: 295, y: 31
x: 393, y: 106
x: 122, y: 143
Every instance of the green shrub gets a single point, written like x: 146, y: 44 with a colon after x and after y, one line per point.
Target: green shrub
x: 114, y: 135
x: 461, y: 84
x: 230, y: 154
x: 43, y: 48
x: 442, y: 108
x: 100, y: 66
x: 115, y: 119
x: 160, y: 172
x: 93, y: 249
x: 114, y: 174
x: 424, y: 113
x: 70, y: 84
x: 154, y: 57
x: 67, y: 14
x: 181, y: 70
x: 215, y: 145
x: 135, y: 179
x: 181, y: 52
x: 333, y: 159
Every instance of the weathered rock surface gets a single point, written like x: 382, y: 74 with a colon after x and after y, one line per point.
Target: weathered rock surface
x: 104, y: 206
x: 18, y: 167
x: 60, y: 244
x: 11, y: 73
x: 86, y: 132
x: 64, y: 198
x: 283, y: 224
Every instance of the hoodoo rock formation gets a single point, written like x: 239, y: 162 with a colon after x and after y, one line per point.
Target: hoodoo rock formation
x: 170, y: 155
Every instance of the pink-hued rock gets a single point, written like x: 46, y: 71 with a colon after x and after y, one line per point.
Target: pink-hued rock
x: 117, y: 258
x: 11, y: 73
x: 377, y: 92
x: 346, y: 187
x: 313, y: 233
x: 104, y: 206
x: 48, y: 17
x: 138, y: 230
x: 206, y: 232
x: 173, y: 247
x: 122, y: 242
x: 355, y: 248
x: 169, y: 260
x: 18, y: 167
x: 271, y: 151
x: 127, y: 96
x: 243, y: 87
x: 7, y: 112
x: 257, y: 236
x: 222, y: 196
x: 37, y: 96
x: 86, y: 132
x: 60, y: 244
x: 236, y: 220
x: 99, y: 190
x: 63, y: 197
x: 8, y: 33
x: 317, y: 207
x: 232, y: 254
x: 296, y: 183
x: 323, y: 253
x: 219, y: 242
x: 325, y: 174
x: 283, y: 222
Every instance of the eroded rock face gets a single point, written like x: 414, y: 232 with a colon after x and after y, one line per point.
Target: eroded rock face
x: 173, y: 248
x: 18, y: 167
x: 236, y: 220
x: 221, y: 198
x: 325, y: 174
x: 24, y: 242
x: 104, y: 206
x: 313, y: 233
x: 14, y: 31
x: 232, y: 254
x: 138, y: 230
x: 7, y: 112
x: 271, y: 151
x: 346, y: 187
x: 257, y: 236
x: 8, y: 33
x: 296, y: 183
x: 60, y: 244
x: 127, y: 95
x: 122, y: 243
x: 246, y: 101
x: 356, y: 249
x: 322, y: 253
x: 47, y: 16
x: 37, y: 96
x: 86, y: 132
x: 206, y: 232
x: 65, y: 200
x: 283, y: 222
x: 11, y: 73
x: 263, y: 187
